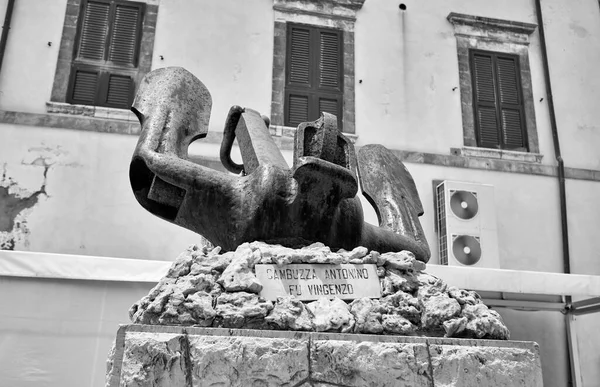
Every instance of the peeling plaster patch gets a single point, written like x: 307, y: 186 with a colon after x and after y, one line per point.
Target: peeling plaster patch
x: 18, y: 235
x: 8, y: 244
x: 11, y: 205
x: 16, y: 203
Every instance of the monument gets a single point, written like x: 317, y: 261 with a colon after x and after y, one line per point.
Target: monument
x: 299, y: 290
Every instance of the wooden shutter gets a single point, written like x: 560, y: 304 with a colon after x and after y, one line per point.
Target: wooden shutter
x: 332, y: 105
x: 328, y: 106
x: 92, y: 85
x: 109, y: 36
x: 497, y: 100
x: 329, y: 60
x: 119, y: 91
x: 314, y: 74
x: 84, y: 85
x: 125, y: 34
x: 297, y: 108
x: 511, y: 106
x: 94, y: 30
x: 485, y: 101
x: 299, y: 56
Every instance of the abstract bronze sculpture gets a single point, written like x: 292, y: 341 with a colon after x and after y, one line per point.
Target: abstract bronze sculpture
x: 314, y: 201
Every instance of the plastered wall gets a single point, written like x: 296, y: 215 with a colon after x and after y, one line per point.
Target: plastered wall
x: 409, y: 97
x: 73, y: 194
x: 227, y: 44
x: 573, y: 36
x: 29, y: 62
x: 87, y: 206
x: 406, y: 60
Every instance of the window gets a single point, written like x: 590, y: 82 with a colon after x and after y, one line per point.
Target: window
x: 496, y: 91
x: 314, y: 74
x: 106, y: 56
x: 105, y: 50
x: 313, y: 63
x: 497, y: 100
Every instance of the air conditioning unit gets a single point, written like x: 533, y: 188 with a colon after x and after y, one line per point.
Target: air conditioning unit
x: 466, y: 220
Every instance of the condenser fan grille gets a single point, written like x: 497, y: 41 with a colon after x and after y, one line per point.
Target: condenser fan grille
x: 464, y: 204
x: 441, y: 219
x: 466, y: 249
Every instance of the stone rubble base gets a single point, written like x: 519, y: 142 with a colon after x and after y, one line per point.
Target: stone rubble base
x: 207, y: 288
x: 175, y: 356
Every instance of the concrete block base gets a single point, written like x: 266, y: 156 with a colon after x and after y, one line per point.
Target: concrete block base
x: 170, y: 356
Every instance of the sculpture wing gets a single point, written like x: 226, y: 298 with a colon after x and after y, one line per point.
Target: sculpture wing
x: 389, y: 187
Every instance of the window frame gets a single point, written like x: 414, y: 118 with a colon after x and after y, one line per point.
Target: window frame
x: 69, y: 45
x: 314, y: 92
x: 108, y: 64
x: 504, y: 37
x: 497, y: 104
x: 337, y: 14
x: 105, y: 68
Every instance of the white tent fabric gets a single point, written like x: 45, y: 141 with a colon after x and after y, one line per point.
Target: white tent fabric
x: 58, y: 333
x: 59, y: 315
x: 83, y: 267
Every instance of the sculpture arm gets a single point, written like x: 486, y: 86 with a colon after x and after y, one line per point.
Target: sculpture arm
x: 161, y: 179
x: 173, y: 108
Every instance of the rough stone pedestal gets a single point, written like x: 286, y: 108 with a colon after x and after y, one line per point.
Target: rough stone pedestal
x: 172, y: 356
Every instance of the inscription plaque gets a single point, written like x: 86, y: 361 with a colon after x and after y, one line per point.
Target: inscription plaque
x: 312, y: 281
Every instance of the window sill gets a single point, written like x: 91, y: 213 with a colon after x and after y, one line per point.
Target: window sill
x: 91, y: 111
x: 489, y: 153
x: 289, y: 131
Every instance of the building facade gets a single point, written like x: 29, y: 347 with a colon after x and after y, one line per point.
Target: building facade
x: 497, y: 93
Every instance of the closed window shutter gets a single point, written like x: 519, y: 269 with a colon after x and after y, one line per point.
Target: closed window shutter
x: 330, y: 72
x: 102, y: 73
x: 94, y: 30
x: 329, y: 60
x: 85, y: 86
x: 314, y: 74
x: 124, y: 35
x: 299, y: 55
x: 511, y: 107
x: 486, y: 117
x: 332, y: 106
x: 297, y: 109
x: 328, y: 106
x: 119, y: 90
x: 497, y: 99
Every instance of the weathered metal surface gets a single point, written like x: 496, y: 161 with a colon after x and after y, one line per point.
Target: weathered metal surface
x: 389, y: 187
x: 255, y: 144
x: 314, y: 201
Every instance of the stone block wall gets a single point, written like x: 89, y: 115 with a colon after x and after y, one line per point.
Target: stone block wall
x: 171, y: 356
